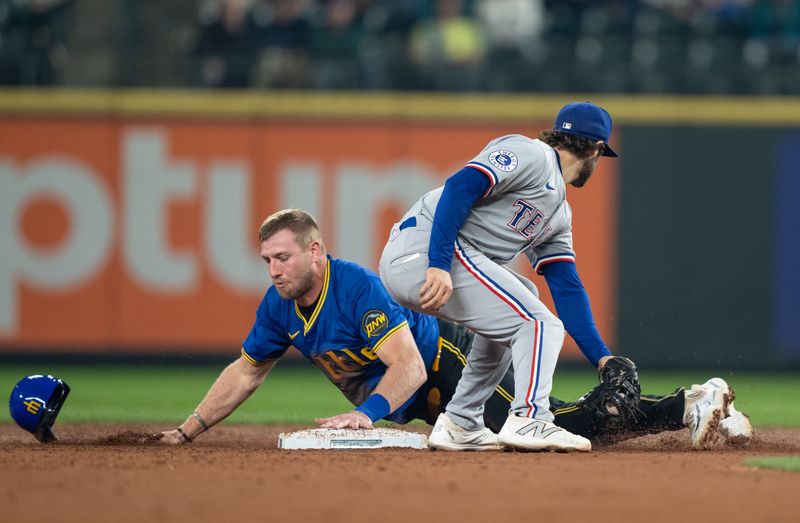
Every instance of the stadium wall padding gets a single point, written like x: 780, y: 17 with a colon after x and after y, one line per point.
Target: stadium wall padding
x: 708, y: 265
x: 128, y: 218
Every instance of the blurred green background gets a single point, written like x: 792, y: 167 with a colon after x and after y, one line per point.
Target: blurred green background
x: 295, y: 393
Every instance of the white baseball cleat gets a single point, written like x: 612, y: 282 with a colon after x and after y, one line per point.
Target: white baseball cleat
x: 446, y: 435
x: 521, y: 433
x: 736, y: 428
x: 705, y: 406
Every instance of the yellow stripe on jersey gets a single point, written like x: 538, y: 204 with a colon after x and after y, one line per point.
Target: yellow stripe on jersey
x: 253, y: 361
x: 455, y: 350
x: 504, y: 393
x: 656, y: 400
x: 388, y: 335
x: 463, y: 359
x: 435, y: 366
x: 355, y: 358
x: 248, y: 357
x: 565, y: 410
x: 323, y: 294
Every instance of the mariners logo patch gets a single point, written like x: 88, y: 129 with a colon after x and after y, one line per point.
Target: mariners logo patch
x: 374, y: 322
x: 504, y: 160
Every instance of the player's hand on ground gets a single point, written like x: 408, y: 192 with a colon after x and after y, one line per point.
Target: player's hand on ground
x: 171, y: 437
x: 348, y: 420
x: 436, y: 290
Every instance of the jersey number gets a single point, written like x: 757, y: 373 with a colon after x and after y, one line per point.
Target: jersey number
x: 333, y: 361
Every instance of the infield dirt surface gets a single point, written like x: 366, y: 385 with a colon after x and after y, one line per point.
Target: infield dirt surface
x: 102, y: 472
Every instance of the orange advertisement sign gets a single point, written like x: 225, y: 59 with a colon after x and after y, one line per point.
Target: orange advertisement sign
x: 127, y: 235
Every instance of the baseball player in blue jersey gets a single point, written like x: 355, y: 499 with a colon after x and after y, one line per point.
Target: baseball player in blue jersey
x: 390, y: 362
x: 448, y: 256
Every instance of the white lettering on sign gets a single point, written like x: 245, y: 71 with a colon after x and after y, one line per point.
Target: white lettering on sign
x: 230, y: 229
x: 78, y: 257
x: 151, y: 180
x: 361, y: 190
x: 301, y: 187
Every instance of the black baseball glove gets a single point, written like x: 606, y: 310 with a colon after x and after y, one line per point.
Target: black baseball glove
x: 615, y: 401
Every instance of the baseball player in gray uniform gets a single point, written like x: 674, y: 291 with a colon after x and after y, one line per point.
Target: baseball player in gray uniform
x: 448, y: 256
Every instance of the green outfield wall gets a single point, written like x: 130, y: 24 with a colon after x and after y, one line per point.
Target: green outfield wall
x: 708, y: 250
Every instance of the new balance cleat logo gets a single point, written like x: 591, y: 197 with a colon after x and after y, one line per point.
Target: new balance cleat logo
x: 538, y: 428
x: 521, y: 433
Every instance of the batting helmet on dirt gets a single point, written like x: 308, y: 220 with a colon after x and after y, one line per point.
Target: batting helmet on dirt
x: 35, y: 402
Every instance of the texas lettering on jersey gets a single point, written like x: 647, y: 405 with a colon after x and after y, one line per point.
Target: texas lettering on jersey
x: 525, y: 207
x: 526, y: 218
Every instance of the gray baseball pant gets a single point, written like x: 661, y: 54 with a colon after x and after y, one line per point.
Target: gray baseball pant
x: 500, y: 306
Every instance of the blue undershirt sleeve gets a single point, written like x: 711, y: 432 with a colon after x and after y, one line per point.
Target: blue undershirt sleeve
x: 459, y: 195
x: 572, y: 304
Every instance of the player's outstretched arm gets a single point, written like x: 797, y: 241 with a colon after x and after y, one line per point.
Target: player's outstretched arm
x: 234, y: 385
x: 572, y: 305
x: 405, y: 374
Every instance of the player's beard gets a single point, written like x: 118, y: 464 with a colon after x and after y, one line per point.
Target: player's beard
x: 301, y: 286
x: 587, y: 168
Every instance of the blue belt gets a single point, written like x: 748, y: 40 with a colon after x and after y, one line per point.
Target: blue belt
x: 408, y: 222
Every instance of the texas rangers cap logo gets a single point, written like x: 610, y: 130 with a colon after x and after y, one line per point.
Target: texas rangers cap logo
x: 504, y: 160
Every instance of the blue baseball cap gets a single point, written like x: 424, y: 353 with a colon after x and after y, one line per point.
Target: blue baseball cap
x: 588, y: 120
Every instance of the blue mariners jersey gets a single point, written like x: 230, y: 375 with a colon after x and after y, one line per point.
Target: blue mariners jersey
x: 354, y: 316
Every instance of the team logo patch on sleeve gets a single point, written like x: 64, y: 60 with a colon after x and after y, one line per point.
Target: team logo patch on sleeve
x: 375, y: 322
x: 504, y: 160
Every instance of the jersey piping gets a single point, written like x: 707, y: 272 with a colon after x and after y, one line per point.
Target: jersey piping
x: 553, y: 258
x: 323, y: 294
x: 254, y: 362
x: 388, y: 335
x: 489, y: 174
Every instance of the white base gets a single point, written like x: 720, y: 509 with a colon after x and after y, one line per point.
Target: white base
x: 351, y: 439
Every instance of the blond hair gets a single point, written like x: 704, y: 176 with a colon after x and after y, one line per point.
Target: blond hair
x: 300, y: 223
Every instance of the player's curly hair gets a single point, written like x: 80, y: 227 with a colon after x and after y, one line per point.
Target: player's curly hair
x: 303, y: 226
x: 580, y: 146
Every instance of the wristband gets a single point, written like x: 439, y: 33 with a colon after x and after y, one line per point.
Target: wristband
x: 200, y: 420
x: 376, y: 407
x: 186, y: 438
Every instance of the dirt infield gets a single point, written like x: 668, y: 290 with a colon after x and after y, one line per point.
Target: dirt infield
x: 236, y: 473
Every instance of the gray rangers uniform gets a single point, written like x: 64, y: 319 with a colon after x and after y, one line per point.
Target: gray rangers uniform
x: 523, y: 210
